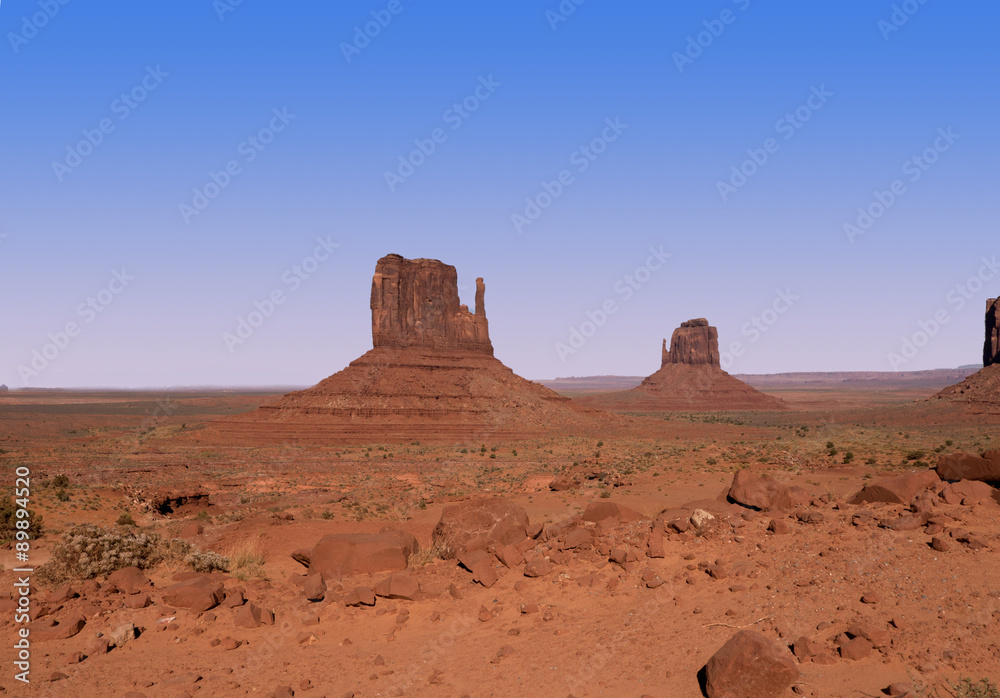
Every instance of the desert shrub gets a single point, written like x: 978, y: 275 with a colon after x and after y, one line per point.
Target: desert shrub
x: 60, y: 481
x: 62, y: 495
x: 8, y: 521
x: 915, y: 455
x: 327, y: 515
x: 89, y: 551
x: 712, y: 461
x: 965, y: 688
x: 207, y: 561
x: 125, y: 519
x: 848, y: 457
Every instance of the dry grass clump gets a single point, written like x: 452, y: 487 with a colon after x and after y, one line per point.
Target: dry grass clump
x: 246, y: 561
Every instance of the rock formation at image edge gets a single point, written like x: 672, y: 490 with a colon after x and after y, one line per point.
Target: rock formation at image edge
x: 980, y: 392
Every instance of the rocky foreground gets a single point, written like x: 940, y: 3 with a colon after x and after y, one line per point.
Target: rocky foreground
x: 764, y: 590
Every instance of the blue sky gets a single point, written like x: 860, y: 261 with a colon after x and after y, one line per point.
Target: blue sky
x: 119, y: 122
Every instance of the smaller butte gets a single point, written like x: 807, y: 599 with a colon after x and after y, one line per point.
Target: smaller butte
x: 690, y: 378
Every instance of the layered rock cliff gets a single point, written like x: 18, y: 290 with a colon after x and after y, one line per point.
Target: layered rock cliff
x: 414, y: 302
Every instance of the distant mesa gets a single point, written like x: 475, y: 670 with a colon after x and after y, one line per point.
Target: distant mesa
x: 4, y: 388
x: 690, y: 378
x: 431, y: 375
x: 991, y: 349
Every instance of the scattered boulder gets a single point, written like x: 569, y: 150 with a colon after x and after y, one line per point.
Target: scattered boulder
x: 563, y: 483
x: 360, y: 596
x: 749, y: 665
x: 314, y: 587
x: 701, y: 519
x: 50, y: 628
x: 339, y: 555
x: 972, y: 491
x: 900, y: 489
x: 61, y: 594
x: 137, y: 601
x: 480, y: 563
x: 480, y: 523
x: 122, y: 635
x: 964, y: 466
x: 538, y: 568
x: 858, y: 648
x: 251, y: 616
x: 765, y: 493
x: 601, y: 511
x: 398, y: 586
x: 198, y: 593
x: 129, y: 580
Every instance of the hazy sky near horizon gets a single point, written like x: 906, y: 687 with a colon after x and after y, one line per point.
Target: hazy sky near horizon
x: 167, y: 166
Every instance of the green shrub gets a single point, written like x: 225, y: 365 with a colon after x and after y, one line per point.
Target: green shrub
x: 62, y: 495
x: 125, y: 519
x: 965, y: 688
x: 8, y: 522
x: 915, y: 455
x: 60, y: 481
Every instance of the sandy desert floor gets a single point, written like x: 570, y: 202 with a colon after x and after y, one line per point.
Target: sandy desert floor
x: 607, y: 619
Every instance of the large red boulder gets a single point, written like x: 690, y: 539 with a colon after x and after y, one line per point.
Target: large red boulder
x: 58, y: 629
x: 197, y: 593
x: 128, y: 580
x: 965, y: 466
x: 900, y: 489
x: 402, y: 585
x: 341, y: 555
x: 749, y: 666
x: 480, y: 523
x: 973, y: 491
x: 764, y: 492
